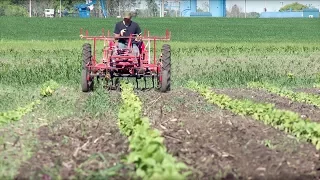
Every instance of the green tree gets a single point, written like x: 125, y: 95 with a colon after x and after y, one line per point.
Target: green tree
x: 8, y: 8
x: 293, y: 6
x: 152, y: 8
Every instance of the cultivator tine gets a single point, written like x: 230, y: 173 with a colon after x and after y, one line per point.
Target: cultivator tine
x: 137, y: 83
x: 145, y: 82
x: 112, y: 83
x: 117, y: 84
x: 111, y: 86
x: 152, y: 81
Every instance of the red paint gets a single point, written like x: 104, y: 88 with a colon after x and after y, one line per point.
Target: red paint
x: 125, y: 63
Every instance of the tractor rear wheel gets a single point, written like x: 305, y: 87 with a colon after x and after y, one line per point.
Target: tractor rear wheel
x: 86, y: 84
x: 166, y: 68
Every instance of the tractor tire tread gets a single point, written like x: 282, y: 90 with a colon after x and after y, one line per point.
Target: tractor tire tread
x: 86, y: 54
x: 166, y: 64
x: 86, y: 58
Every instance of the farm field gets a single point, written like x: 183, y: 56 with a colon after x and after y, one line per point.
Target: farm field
x: 244, y: 103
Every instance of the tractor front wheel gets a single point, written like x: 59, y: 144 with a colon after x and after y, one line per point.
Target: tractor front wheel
x: 165, y: 68
x: 86, y: 80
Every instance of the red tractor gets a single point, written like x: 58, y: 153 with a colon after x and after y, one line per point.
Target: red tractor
x: 119, y: 63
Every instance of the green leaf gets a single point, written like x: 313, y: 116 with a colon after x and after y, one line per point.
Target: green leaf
x: 149, y: 161
x: 140, y: 173
x: 318, y: 145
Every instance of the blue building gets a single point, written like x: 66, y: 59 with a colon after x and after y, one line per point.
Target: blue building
x: 281, y: 15
x: 311, y: 13
x: 217, y: 8
x: 305, y: 13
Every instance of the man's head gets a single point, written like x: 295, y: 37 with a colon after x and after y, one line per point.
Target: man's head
x: 127, y: 17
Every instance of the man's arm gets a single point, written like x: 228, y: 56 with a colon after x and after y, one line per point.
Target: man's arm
x: 138, y: 31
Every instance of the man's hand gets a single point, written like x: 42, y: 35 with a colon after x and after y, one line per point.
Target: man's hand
x: 138, y: 38
x: 116, y: 44
x: 122, y: 32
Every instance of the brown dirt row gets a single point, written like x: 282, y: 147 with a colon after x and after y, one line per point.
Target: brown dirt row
x: 261, y: 96
x: 217, y: 143
x: 315, y: 91
x: 214, y: 142
x: 77, y: 143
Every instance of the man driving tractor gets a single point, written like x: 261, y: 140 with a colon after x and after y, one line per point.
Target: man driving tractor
x: 125, y: 28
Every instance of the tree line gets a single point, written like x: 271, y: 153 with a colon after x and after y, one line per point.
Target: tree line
x: 113, y: 7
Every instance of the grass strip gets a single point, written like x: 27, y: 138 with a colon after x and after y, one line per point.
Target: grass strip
x: 47, y: 89
x: 147, y: 151
x: 287, y: 121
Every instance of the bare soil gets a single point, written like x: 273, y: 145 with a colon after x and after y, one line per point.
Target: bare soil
x: 218, y: 144
x: 315, y: 91
x: 85, y: 144
x: 214, y: 143
x: 261, y: 96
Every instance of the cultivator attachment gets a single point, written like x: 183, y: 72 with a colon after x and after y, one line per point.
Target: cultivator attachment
x: 118, y: 64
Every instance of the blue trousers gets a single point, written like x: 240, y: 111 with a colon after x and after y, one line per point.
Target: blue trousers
x: 134, y: 47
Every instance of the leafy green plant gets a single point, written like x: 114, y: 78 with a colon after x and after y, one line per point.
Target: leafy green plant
x: 147, y: 150
x: 268, y: 143
x: 287, y: 121
x: 48, y: 88
x: 316, y: 85
x: 295, y: 96
x: 15, y: 115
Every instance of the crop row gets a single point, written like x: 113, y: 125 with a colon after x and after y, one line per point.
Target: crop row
x: 287, y: 121
x: 17, y: 114
x: 227, y: 72
x: 46, y: 90
x: 147, y: 151
x: 295, y: 96
x: 62, y: 48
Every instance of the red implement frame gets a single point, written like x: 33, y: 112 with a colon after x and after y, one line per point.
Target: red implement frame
x: 124, y: 64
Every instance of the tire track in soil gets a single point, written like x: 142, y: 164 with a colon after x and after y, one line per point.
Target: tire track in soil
x: 261, y: 96
x: 71, y: 143
x: 212, y: 141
